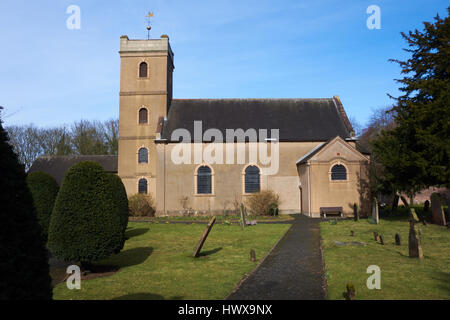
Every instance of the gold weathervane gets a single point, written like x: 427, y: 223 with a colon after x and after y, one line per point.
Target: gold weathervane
x: 148, y: 16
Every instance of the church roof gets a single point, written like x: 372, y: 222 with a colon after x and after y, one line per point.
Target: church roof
x: 57, y: 166
x: 296, y: 119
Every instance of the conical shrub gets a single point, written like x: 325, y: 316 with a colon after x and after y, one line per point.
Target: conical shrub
x: 24, y: 270
x: 85, y: 226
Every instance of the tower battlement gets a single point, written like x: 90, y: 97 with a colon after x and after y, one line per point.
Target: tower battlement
x: 141, y: 46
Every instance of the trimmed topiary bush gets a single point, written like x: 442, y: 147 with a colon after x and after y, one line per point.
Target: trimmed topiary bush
x: 44, y: 189
x: 85, y: 225
x: 119, y: 195
x: 24, y: 270
x: 141, y: 205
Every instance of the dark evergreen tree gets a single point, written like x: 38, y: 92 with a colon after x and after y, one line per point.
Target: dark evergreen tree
x: 416, y: 153
x: 24, y: 270
x: 44, y: 190
x: 85, y: 226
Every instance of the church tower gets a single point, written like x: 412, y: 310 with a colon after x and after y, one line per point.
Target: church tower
x: 145, y: 96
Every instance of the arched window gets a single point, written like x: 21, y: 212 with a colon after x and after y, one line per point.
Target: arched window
x: 143, y: 115
x: 143, y: 155
x: 252, y: 181
x: 338, y: 172
x: 143, y: 70
x: 142, y: 186
x: 204, y: 180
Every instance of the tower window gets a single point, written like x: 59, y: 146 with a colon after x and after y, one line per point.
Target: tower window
x: 143, y: 68
x: 204, y: 180
x: 142, y: 186
x: 252, y: 179
x: 338, y: 172
x: 143, y: 116
x: 143, y: 155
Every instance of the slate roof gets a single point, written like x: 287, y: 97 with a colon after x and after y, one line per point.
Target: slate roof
x: 57, y: 166
x: 297, y: 119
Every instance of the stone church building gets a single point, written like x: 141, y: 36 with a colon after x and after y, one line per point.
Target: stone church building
x: 315, y: 161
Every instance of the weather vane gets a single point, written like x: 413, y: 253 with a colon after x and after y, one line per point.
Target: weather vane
x: 149, y: 16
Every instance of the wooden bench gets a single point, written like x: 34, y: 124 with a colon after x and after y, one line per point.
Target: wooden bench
x: 331, y: 210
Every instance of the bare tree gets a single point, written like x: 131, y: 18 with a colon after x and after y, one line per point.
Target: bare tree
x: 88, y: 138
x: 26, y: 143
x: 111, y: 131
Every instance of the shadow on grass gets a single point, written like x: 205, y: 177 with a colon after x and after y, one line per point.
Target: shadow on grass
x: 209, y: 252
x: 136, y: 232
x: 132, y: 257
x: 144, y: 296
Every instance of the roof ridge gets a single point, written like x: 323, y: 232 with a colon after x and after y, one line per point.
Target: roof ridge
x: 216, y: 99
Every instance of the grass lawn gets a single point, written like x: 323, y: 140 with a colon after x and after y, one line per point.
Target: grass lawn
x: 401, y: 277
x: 157, y: 262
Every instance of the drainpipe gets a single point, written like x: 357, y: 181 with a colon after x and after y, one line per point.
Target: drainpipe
x: 309, y: 188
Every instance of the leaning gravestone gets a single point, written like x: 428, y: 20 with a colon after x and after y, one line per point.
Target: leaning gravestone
x: 415, y: 249
x: 243, y: 223
x: 203, y: 239
x: 375, y: 211
x: 436, y: 210
x: 413, y: 215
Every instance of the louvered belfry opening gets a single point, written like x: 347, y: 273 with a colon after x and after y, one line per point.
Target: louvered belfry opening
x: 143, y: 70
x: 252, y: 179
x: 204, y: 180
x: 143, y: 116
x: 338, y: 172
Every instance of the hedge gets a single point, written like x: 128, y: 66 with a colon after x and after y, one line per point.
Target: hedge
x: 44, y: 189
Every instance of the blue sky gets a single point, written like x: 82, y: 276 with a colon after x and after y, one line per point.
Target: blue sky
x: 50, y: 75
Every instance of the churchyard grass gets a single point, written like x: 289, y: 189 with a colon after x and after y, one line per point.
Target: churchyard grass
x: 402, y: 277
x: 157, y: 262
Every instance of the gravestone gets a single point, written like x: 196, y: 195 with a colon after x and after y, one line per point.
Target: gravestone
x: 426, y: 206
x: 436, y: 210
x: 351, y: 291
x: 203, y: 239
x: 381, y: 240
x: 415, y: 249
x: 375, y: 210
x: 252, y: 255
x: 398, y: 240
x: 405, y: 202
x: 395, y: 202
x: 243, y: 216
x: 355, y: 212
x: 375, y: 236
x: 413, y: 215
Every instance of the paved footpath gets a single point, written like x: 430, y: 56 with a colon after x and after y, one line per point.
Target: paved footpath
x: 292, y: 271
